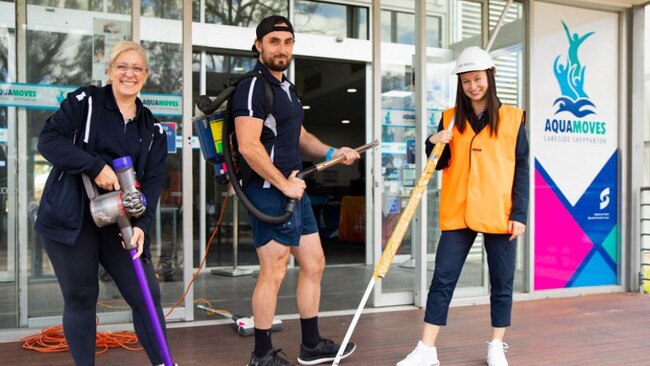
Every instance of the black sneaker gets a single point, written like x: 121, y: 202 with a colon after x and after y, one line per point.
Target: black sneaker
x: 325, y: 351
x: 274, y: 357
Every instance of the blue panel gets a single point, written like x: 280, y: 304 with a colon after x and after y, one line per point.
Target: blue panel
x: 596, y: 272
x: 596, y: 210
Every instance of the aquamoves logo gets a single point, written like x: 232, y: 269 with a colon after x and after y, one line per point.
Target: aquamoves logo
x: 571, y: 77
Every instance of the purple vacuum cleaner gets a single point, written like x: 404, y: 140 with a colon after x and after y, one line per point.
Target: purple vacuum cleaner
x: 118, y: 207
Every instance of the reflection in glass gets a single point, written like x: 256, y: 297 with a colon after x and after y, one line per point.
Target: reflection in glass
x: 92, y: 5
x: 219, y: 69
x: 405, y: 25
x: 4, y: 53
x: 467, y: 21
x: 58, y: 58
x: 387, y: 26
x: 336, y: 20
x: 165, y: 9
x: 119, y: 6
x: 515, y: 12
x: 399, y: 27
x: 165, y: 63
x: 243, y: 13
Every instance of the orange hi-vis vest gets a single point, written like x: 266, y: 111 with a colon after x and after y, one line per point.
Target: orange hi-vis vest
x: 477, y: 184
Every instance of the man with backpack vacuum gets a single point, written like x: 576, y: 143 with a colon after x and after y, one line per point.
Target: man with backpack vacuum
x: 270, y: 140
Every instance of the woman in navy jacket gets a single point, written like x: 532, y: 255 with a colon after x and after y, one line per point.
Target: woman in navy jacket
x: 92, y: 127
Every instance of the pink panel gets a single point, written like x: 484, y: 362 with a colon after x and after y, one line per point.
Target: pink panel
x: 560, y: 244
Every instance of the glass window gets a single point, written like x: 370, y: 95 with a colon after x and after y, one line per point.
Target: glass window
x: 405, y: 26
x: 119, y: 6
x: 387, y: 26
x: 166, y: 9
x: 434, y: 31
x: 93, y: 5
x: 59, y: 58
x: 165, y: 65
x: 243, y: 13
x: 399, y: 27
x: 496, y: 7
x: 196, y: 11
x: 165, y: 77
x: 466, y: 21
x: 328, y: 19
x: 4, y: 54
x: 508, y: 77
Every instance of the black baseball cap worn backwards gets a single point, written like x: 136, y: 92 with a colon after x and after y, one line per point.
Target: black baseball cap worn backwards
x: 268, y: 25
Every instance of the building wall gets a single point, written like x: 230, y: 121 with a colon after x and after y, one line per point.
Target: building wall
x: 62, y: 42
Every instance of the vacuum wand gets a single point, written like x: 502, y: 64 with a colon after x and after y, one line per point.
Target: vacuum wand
x: 118, y: 207
x: 328, y: 163
x: 291, y: 203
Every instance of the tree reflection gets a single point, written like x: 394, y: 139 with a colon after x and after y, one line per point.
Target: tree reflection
x: 243, y: 13
x: 165, y: 68
x: 58, y: 58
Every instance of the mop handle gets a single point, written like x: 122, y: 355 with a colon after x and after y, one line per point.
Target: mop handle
x: 396, y: 238
x: 151, y: 309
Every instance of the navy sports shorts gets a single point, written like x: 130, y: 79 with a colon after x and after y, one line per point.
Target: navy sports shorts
x: 272, y: 202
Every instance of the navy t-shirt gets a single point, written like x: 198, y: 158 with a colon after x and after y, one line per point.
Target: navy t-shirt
x: 281, y: 131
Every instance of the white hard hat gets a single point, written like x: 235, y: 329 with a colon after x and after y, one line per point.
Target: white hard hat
x: 473, y: 59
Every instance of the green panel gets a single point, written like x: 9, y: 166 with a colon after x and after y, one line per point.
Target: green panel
x: 610, y: 244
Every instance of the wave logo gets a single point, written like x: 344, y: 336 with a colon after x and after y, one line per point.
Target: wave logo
x: 571, y: 77
x: 61, y: 97
x: 604, y: 198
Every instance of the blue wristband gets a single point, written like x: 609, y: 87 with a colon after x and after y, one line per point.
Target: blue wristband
x: 329, y: 154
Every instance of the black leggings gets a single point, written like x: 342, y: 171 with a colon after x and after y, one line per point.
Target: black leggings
x: 76, y: 269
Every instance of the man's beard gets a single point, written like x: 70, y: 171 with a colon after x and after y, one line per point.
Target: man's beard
x: 273, y: 65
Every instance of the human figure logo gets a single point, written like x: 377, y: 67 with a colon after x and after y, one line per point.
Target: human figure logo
x: 571, y: 77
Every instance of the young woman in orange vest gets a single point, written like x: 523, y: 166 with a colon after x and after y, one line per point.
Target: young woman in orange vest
x: 485, y: 185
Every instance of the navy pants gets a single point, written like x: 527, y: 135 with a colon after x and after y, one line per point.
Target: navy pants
x: 76, y: 268
x: 451, y: 254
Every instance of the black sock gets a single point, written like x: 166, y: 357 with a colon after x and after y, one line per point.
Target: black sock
x: 262, y: 342
x: 310, y: 335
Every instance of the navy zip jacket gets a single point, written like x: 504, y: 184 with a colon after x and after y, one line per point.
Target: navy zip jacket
x: 69, y: 140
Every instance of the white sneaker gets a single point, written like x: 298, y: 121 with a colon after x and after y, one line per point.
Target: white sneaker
x: 496, y: 354
x: 421, y: 356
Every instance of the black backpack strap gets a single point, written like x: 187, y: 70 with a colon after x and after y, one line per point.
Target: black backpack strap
x: 245, y: 172
x: 268, y: 90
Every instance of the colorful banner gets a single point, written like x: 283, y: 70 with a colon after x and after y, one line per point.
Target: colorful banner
x: 39, y: 96
x: 574, y: 129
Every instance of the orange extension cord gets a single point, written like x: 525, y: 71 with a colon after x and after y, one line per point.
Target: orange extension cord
x: 52, y: 339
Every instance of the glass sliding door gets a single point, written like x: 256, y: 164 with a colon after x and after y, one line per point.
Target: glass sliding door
x: 8, y: 190
x: 60, y: 57
x: 457, y: 25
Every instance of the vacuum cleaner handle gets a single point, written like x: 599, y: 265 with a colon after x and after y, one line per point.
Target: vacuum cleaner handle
x: 291, y: 203
x: 91, y: 189
x: 127, y: 232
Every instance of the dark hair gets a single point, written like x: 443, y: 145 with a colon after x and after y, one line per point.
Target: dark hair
x: 464, y: 105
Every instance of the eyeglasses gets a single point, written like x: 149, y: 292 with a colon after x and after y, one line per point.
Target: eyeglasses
x: 123, y: 69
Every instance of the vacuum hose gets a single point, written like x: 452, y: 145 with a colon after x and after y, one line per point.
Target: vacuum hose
x: 208, y: 106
